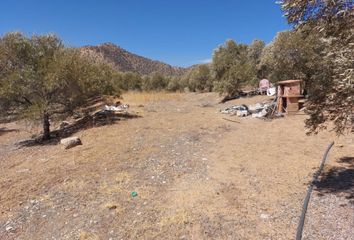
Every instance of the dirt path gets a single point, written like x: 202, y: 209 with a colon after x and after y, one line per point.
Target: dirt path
x: 197, y: 176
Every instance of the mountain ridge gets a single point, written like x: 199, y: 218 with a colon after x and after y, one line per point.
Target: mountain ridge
x: 125, y: 61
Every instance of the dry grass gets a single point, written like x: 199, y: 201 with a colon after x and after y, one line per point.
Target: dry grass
x: 88, y: 236
x: 196, y: 175
x: 148, y: 97
x: 110, y: 206
x: 122, y: 177
x: 114, y: 206
x: 179, y: 217
x: 110, y: 188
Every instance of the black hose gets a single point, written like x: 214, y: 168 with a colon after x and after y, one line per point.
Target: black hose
x: 308, y: 195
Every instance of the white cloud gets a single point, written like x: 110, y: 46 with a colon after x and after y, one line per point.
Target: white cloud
x: 207, y: 60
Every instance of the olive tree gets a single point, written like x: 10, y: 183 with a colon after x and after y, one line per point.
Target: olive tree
x: 199, y: 78
x: 333, y: 97
x: 232, y: 68
x: 154, y: 82
x: 292, y: 55
x: 41, y: 78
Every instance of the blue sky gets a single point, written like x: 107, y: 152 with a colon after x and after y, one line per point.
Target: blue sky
x: 179, y: 32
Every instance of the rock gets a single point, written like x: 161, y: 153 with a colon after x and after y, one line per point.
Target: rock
x: 9, y: 228
x: 70, y: 142
x: 264, y: 216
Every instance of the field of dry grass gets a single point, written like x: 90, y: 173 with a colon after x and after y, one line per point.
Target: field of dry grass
x: 148, y: 97
x: 197, y: 176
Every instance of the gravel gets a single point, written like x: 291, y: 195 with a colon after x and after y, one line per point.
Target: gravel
x: 329, y: 216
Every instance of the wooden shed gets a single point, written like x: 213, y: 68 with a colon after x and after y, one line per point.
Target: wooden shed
x: 289, y: 94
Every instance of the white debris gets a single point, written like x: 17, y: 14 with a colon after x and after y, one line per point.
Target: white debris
x: 271, y: 91
x: 260, y: 114
x: 119, y: 108
x: 9, y: 228
x: 242, y: 113
x: 258, y: 110
x: 255, y: 107
x: 234, y: 109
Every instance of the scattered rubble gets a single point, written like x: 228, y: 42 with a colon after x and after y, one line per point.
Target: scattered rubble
x: 255, y: 108
x: 117, y: 108
x: 239, y: 110
x: 260, y: 114
x: 242, y: 113
x: 258, y: 110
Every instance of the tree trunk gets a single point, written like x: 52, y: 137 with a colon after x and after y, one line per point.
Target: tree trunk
x: 46, y: 126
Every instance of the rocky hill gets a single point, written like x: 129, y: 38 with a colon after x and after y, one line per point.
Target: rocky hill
x: 125, y: 61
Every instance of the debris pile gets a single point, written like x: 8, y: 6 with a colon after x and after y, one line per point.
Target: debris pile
x: 258, y: 110
x: 104, y: 116
x: 239, y: 110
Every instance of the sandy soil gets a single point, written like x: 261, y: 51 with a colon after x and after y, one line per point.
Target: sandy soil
x: 197, y: 176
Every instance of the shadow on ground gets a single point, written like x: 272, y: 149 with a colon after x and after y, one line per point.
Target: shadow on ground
x: 97, y: 120
x: 338, y: 180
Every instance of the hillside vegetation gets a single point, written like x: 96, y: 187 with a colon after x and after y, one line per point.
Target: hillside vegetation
x: 125, y: 61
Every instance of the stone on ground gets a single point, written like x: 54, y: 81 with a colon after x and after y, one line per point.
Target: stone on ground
x: 70, y: 142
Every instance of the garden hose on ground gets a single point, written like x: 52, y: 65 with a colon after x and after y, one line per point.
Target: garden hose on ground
x: 308, y: 194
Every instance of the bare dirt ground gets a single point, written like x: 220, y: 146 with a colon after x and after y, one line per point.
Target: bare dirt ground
x: 197, y: 176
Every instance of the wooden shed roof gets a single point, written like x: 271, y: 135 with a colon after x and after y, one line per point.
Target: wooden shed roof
x: 289, y: 81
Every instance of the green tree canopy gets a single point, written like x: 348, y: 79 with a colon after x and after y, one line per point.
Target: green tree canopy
x: 291, y: 55
x: 199, y: 78
x: 333, y: 96
x: 232, y: 67
x: 39, y: 77
x: 154, y: 82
